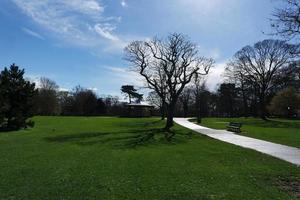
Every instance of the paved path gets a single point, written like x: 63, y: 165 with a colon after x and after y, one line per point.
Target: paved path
x: 290, y: 154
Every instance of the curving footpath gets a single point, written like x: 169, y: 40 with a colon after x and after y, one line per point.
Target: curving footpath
x: 289, y: 154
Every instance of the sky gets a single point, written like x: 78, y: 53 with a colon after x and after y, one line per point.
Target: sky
x: 81, y: 42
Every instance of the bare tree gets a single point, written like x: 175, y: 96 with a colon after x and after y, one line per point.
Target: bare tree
x: 244, y: 84
x: 167, y: 65
x: 260, y: 63
x: 286, y: 20
x: 48, y: 84
x: 47, y: 102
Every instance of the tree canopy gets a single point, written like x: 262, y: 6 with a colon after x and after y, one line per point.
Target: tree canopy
x: 131, y: 93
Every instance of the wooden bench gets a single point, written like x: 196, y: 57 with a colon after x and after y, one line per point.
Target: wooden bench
x: 234, y: 127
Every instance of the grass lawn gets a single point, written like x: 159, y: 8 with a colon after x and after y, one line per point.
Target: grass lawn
x: 108, y: 158
x: 280, y: 131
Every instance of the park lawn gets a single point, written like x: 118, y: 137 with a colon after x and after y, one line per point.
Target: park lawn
x: 282, y: 131
x: 109, y: 158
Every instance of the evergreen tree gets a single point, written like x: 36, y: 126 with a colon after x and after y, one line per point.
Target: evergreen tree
x: 16, y: 96
x: 131, y: 93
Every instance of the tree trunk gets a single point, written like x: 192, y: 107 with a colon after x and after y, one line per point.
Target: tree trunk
x: 199, y: 117
x: 170, y: 116
x: 185, y: 110
x: 198, y: 110
x: 163, y: 111
x: 245, y: 104
x: 262, y: 107
x: 129, y: 96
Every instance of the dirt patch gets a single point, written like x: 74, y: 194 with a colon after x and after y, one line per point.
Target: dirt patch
x: 290, y: 185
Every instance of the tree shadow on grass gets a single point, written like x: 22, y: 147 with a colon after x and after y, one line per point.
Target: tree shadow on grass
x: 76, y: 137
x: 127, y: 139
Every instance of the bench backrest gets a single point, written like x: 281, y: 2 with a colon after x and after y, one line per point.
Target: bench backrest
x: 235, y: 124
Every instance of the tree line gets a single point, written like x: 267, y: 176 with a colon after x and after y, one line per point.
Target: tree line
x: 20, y: 100
x: 49, y: 100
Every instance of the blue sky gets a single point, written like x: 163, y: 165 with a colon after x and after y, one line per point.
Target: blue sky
x: 81, y: 41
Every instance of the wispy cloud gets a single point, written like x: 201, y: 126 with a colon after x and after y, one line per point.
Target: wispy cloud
x: 126, y: 76
x: 78, y: 22
x: 32, y: 33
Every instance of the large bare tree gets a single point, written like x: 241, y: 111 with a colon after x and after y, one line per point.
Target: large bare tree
x: 167, y: 65
x: 259, y: 64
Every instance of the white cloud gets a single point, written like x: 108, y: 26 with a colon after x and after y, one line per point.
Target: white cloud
x: 94, y: 89
x: 32, y: 33
x: 87, y: 6
x: 78, y: 22
x: 105, y: 31
x: 123, y: 3
x: 61, y: 89
x: 34, y: 79
x: 215, y: 76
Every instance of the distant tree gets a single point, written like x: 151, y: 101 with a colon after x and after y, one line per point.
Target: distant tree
x: 227, y: 94
x: 48, y: 84
x: 66, y: 102
x: 16, y: 99
x: 47, y: 101
x: 198, y: 87
x: 156, y: 101
x: 3, y: 105
x: 113, y: 105
x: 85, y: 101
x: 101, y: 107
x: 245, y: 87
x: 259, y: 65
x: 131, y: 93
x: 185, y: 100
x: 288, y: 77
x: 167, y: 66
x: 285, y: 103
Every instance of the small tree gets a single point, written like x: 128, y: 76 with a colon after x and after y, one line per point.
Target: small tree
x: 167, y: 66
x: 16, y: 99
x: 131, y: 93
x: 285, y: 103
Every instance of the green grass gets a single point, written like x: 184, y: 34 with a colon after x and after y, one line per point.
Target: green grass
x: 107, y: 158
x: 280, y: 131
